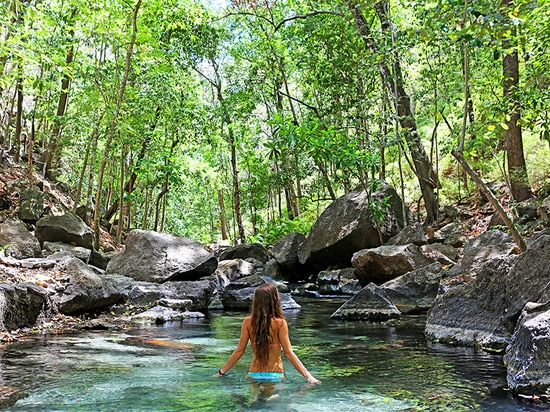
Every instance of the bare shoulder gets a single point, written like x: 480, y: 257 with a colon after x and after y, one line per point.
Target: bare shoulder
x: 279, y: 322
x: 247, y: 320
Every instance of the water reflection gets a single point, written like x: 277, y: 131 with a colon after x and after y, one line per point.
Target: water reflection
x: 363, y: 366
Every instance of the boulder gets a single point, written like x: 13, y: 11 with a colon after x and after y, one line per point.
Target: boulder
x: 100, y: 259
x: 413, y: 233
x: 384, y: 263
x: 440, y: 252
x: 200, y: 292
x: 67, y: 228
x: 76, y: 251
x: 17, y: 241
x: 20, y: 304
x: 273, y: 270
x: 31, y: 205
x: 483, y: 312
x: 527, y: 357
x: 451, y: 234
x: 230, y: 270
x: 159, y: 257
x: 246, y: 251
x: 240, y: 294
x: 527, y: 209
x: 347, y: 225
x: 197, y: 294
x: 414, y: 292
x: 371, y: 303
x: 161, y: 314
x: 544, y: 212
x: 338, y: 282
x: 85, y: 291
x: 285, y: 251
x: 489, y: 245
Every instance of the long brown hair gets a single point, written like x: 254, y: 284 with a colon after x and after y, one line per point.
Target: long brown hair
x: 266, y: 305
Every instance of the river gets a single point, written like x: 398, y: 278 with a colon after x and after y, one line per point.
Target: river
x: 363, y: 366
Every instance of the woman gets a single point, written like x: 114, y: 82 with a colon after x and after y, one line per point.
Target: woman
x: 267, y: 331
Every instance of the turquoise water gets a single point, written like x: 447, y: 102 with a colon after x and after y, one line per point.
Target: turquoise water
x: 363, y: 366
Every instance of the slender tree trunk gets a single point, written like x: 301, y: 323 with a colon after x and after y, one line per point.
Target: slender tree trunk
x: 53, y: 145
x: 121, y: 213
x: 517, y: 170
x: 129, y: 187
x: 113, y: 124
x: 458, y: 154
x: 89, y: 144
x: 146, y: 207
x: 18, y: 115
x: 223, y: 220
x: 394, y: 82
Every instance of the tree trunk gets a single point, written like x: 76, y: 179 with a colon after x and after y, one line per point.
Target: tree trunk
x: 129, y: 187
x: 53, y: 145
x: 517, y: 170
x: 113, y: 124
x: 223, y: 220
x: 394, y: 82
x: 19, y: 115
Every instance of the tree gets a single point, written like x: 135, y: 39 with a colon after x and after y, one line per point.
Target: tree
x: 517, y: 170
x: 393, y: 79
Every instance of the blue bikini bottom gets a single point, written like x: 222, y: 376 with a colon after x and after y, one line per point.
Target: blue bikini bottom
x: 267, y: 376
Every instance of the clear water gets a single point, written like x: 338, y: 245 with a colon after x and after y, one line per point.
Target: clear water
x: 363, y: 366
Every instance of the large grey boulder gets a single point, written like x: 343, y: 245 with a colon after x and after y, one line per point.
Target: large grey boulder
x: 527, y: 358
x: 246, y: 251
x: 67, y: 228
x: 387, y: 262
x: 285, y: 251
x: 159, y: 257
x: 82, y: 253
x: 415, y: 291
x: 20, y: 304
x: 483, y: 312
x: 85, y: 291
x: 488, y: 245
x: 17, y: 241
x: 347, y: 225
x: 31, y: 205
x: 371, y: 303
x: 413, y: 233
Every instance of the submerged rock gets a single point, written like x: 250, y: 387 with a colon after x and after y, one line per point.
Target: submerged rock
x: 371, y: 303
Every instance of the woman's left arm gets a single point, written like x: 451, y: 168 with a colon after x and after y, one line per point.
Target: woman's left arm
x: 291, y: 356
x: 238, y: 352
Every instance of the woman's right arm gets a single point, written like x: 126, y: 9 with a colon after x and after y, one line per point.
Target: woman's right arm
x: 291, y: 356
x: 239, y: 350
